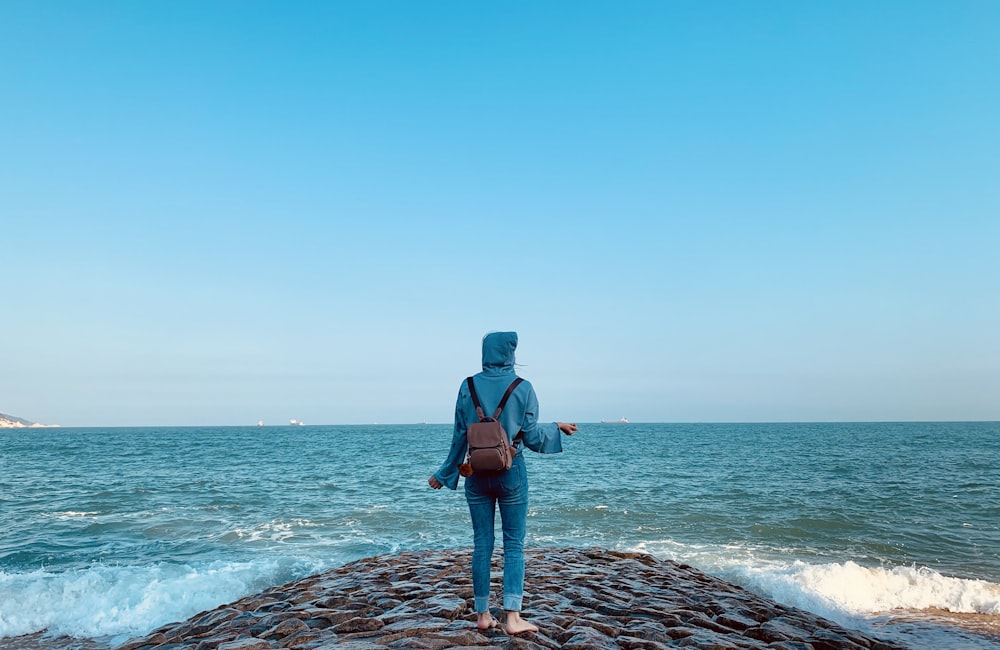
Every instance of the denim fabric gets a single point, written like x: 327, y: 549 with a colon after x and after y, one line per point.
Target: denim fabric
x: 483, y: 492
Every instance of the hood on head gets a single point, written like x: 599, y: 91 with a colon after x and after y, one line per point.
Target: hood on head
x: 498, y: 350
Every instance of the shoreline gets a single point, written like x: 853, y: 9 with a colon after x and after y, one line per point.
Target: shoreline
x: 579, y: 598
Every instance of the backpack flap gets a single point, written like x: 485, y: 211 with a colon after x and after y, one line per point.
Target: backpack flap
x: 489, y: 450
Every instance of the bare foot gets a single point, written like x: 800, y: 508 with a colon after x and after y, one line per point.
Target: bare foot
x: 486, y: 621
x: 517, y: 625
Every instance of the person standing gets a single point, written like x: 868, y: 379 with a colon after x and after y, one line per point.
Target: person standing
x: 484, y: 491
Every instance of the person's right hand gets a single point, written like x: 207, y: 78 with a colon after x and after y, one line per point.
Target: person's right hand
x: 567, y: 428
x: 434, y: 483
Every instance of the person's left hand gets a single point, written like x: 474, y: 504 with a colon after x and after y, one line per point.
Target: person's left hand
x: 568, y: 428
x: 434, y: 483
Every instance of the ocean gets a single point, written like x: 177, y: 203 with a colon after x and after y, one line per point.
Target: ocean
x: 890, y: 528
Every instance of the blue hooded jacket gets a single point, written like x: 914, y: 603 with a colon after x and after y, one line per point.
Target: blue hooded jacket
x: 520, y: 413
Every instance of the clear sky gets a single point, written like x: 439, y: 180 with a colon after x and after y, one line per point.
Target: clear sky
x: 219, y: 212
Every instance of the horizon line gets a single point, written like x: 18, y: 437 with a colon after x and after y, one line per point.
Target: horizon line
x: 421, y: 423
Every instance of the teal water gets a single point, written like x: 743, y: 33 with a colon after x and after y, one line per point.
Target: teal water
x: 109, y: 533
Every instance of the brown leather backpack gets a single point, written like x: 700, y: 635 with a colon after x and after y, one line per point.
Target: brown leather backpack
x: 489, y: 448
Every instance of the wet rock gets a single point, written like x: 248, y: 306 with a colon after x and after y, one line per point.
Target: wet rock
x: 579, y: 598
x: 606, y: 627
x: 151, y: 640
x: 285, y: 628
x: 246, y: 643
x: 359, y: 624
x: 213, y: 641
x: 450, y: 607
x: 584, y: 638
x: 647, y: 631
x: 735, y: 621
x: 411, y: 627
x: 212, y: 620
x: 703, y: 641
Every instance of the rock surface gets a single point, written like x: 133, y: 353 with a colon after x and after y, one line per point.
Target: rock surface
x: 579, y: 598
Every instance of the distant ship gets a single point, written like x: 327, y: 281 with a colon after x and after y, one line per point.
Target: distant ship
x: 293, y: 422
x: 621, y: 421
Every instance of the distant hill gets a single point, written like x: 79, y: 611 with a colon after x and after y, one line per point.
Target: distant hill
x: 11, y: 422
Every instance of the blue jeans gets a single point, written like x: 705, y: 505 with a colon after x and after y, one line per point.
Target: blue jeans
x: 483, y: 492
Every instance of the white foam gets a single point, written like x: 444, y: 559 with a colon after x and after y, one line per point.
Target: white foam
x: 855, y: 589
x: 274, y: 531
x: 123, y: 601
x: 841, y: 591
x: 71, y: 514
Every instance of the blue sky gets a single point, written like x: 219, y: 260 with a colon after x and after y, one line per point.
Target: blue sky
x: 217, y: 212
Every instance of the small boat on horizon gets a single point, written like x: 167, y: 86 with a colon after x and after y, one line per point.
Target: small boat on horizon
x: 624, y: 420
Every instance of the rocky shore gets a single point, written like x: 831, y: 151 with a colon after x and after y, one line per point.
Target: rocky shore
x: 579, y: 598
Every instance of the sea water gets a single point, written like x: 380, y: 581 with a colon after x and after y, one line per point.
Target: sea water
x: 891, y: 528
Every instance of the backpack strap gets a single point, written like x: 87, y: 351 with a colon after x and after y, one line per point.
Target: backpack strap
x: 506, y: 396
x: 475, y: 399
x: 503, y: 400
